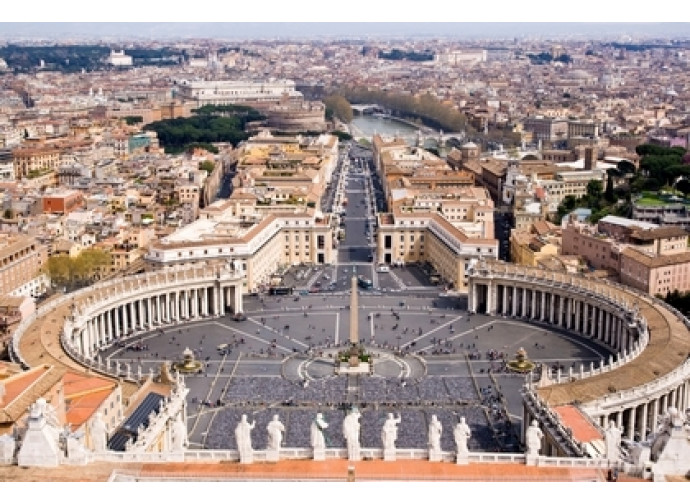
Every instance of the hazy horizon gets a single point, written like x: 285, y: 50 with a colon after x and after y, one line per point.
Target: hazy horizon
x: 327, y: 30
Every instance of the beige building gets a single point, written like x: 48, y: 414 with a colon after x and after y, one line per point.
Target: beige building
x: 21, y: 260
x: 533, y: 247
x: 645, y: 256
x: 31, y: 162
x: 405, y: 237
x: 257, y: 247
x: 655, y: 274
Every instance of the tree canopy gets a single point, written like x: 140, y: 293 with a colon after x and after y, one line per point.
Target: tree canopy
x: 338, y: 106
x: 66, y: 271
x: 211, y: 124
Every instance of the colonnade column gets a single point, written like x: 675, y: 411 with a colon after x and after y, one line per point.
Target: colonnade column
x: 601, y: 315
x: 643, y: 426
x: 116, y: 317
x: 655, y: 412
x: 523, y: 308
x: 515, y: 295
x: 109, y: 323
x: 159, y: 317
x: 221, y: 290
x: 125, y: 319
x: 238, y: 299
x: 102, y: 329
x: 542, y: 311
x: 504, y: 304
x: 142, y: 313
x: 607, y: 327
x: 631, y: 423
x: 132, y: 315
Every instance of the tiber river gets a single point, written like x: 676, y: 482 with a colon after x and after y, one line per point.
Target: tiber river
x: 368, y: 125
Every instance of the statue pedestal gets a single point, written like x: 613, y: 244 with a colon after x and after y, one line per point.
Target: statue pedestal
x: 7, y: 448
x: 40, y: 446
x: 435, y: 456
x: 532, y: 460
x: 389, y: 454
x: 247, y: 458
x: 272, y: 455
x: 463, y: 458
x: 674, y: 460
x: 319, y: 454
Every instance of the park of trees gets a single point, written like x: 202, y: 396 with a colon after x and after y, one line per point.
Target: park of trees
x: 661, y: 168
x: 397, y: 55
x: 71, y: 272
x: 210, y: 124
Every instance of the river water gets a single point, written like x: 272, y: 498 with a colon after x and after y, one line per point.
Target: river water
x: 368, y: 125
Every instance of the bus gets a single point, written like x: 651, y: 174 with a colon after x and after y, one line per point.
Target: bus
x: 280, y: 291
x: 364, y: 282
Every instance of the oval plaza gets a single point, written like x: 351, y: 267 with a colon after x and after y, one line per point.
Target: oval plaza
x: 642, y: 387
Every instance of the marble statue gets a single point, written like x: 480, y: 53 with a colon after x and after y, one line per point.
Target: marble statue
x: 275, y: 430
x: 462, y: 434
x: 318, y: 439
x: 179, y: 434
x: 243, y: 436
x: 99, y: 434
x: 435, y: 430
x: 351, y: 433
x: 389, y: 433
x: 612, y: 439
x: 533, y: 438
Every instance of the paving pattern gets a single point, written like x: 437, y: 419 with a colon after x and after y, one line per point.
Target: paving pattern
x: 430, y: 358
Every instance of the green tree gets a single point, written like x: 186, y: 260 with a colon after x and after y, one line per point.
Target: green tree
x: 594, y: 189
x: 207, y: 166
x: 59, y: 270
x: 340, y: 107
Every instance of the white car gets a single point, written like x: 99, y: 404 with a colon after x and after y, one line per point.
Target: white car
x: 383, y: 269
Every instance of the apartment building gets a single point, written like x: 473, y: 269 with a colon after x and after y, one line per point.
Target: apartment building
x: 228, y: 92
x: 530, y: 247
x: 408, y: 237
x: 21, y: 260
x: 259, y: 247
x: 33, y: 161
x: 651, y: 258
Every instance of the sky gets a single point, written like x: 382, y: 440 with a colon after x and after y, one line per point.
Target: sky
x: 593, y: 19
x: 368, y: 30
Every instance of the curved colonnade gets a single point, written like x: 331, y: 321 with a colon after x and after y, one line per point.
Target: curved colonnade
x: 96, y: 317
x: 650, y: 341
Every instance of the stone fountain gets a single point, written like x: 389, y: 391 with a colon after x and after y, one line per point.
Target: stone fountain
x: 188, y: 364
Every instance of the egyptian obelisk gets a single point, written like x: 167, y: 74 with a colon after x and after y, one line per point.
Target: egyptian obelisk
x: 354, y: 318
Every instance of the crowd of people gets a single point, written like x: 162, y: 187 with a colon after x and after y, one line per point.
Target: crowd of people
x: 416, y: 401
